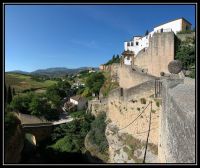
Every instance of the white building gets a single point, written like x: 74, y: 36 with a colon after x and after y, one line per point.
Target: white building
x: 79, y: 101
x: 137, y: 43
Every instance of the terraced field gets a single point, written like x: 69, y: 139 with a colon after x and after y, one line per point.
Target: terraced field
x: 24, y: 82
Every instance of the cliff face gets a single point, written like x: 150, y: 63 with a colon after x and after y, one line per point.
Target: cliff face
x: 94, y: 152
x: 14, y: 146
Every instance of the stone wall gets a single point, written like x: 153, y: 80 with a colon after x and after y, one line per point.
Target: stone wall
x: 123, y: 109
x: 14, y: 146
x: 97, y: 106
x: 177, y: 124
x: 40, y: 133
x: 128, y: 77
x: 157, y: 56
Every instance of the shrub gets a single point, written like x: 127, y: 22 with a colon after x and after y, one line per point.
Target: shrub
x: 10, y: 123
x: 157, y: 104
x: 97, y: 134
x: 138, y: 108
x: 143, y: 100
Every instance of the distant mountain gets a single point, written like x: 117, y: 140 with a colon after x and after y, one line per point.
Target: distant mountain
x: 19, y: 72
x: 54, y: 72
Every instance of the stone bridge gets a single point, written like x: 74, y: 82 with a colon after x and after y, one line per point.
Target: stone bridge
x: 40, y: 127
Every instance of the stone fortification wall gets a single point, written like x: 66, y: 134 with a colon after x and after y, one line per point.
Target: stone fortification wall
x: 156, y: 57
x: 122, y: 109
x: 128, y: 77
x: 97, y: 106
x: 177, y: 124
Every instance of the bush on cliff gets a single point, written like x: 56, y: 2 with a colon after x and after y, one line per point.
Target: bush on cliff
x: 97, y: 133
x: 10, y: 124
x: 70, y: 137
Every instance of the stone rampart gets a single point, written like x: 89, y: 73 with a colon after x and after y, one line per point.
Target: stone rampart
x: 177, y: 124
x: 156, y: 57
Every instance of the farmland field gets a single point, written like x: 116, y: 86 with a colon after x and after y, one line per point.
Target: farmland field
x: 23, y: 82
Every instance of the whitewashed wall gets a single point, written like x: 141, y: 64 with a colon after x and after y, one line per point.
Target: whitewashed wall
x: 126, y: 61
x: 73, y: 101
x: 174, y: 25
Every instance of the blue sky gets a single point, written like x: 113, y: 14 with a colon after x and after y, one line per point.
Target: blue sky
x: 71, y: 36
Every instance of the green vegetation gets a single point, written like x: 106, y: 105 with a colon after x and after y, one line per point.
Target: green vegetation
x: 34, y: 104
x: 10, y: 125
x: 21, y: 103
x: 77, y: 114
x: 147, y: 32
x: 115, y: 59
x: 94, y: 82
x: 25, y: 82
x: 9, y: 94
x: 97, y: 133
x: 70, y: 137
x: 131, y: 144
x: 108, y: 84
x: 185, y: 52
x: 143, y: 101
x: 157, y: 104
x: 186, y: 31
x: 57, y: 92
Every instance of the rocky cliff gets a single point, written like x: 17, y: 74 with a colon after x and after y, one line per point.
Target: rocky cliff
x: 14, y: 146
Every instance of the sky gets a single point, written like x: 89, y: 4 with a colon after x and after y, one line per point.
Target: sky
x: 72, y: 36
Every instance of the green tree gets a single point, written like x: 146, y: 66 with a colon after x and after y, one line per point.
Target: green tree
x: 113, y: 58
x: 54, y: 94
x: 185, y: 52
x: 36, y: 106
x: 9, y: 95
x: 147, y: 32
x: 95, y: 81
x: 13, y: 91
x: 97, y: 134
x: 21, y: 103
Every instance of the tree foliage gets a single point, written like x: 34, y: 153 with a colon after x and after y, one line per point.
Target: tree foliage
x: 34, y: 104
x: 9, y: 98
x: 185, y: 52
x: 21, y: 103
x: 147, y: 32
x: 10, y: 124
x: 115, y: 59
x: 70, y: 137
x: 97, y: 134
x: 95, y: 81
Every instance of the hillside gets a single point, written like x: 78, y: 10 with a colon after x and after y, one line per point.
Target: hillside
x: 22, y: 82
x: 53, y: 72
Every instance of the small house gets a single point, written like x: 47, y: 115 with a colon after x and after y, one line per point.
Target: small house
x: 79, y: 101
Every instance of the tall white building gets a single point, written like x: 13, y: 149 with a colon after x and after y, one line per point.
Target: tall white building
x: 137, y: 43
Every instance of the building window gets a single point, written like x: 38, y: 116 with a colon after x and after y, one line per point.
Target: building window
x: 128, y: 44
x: 187, y: 28
x: 137, y: 43
x: 131, y: 43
